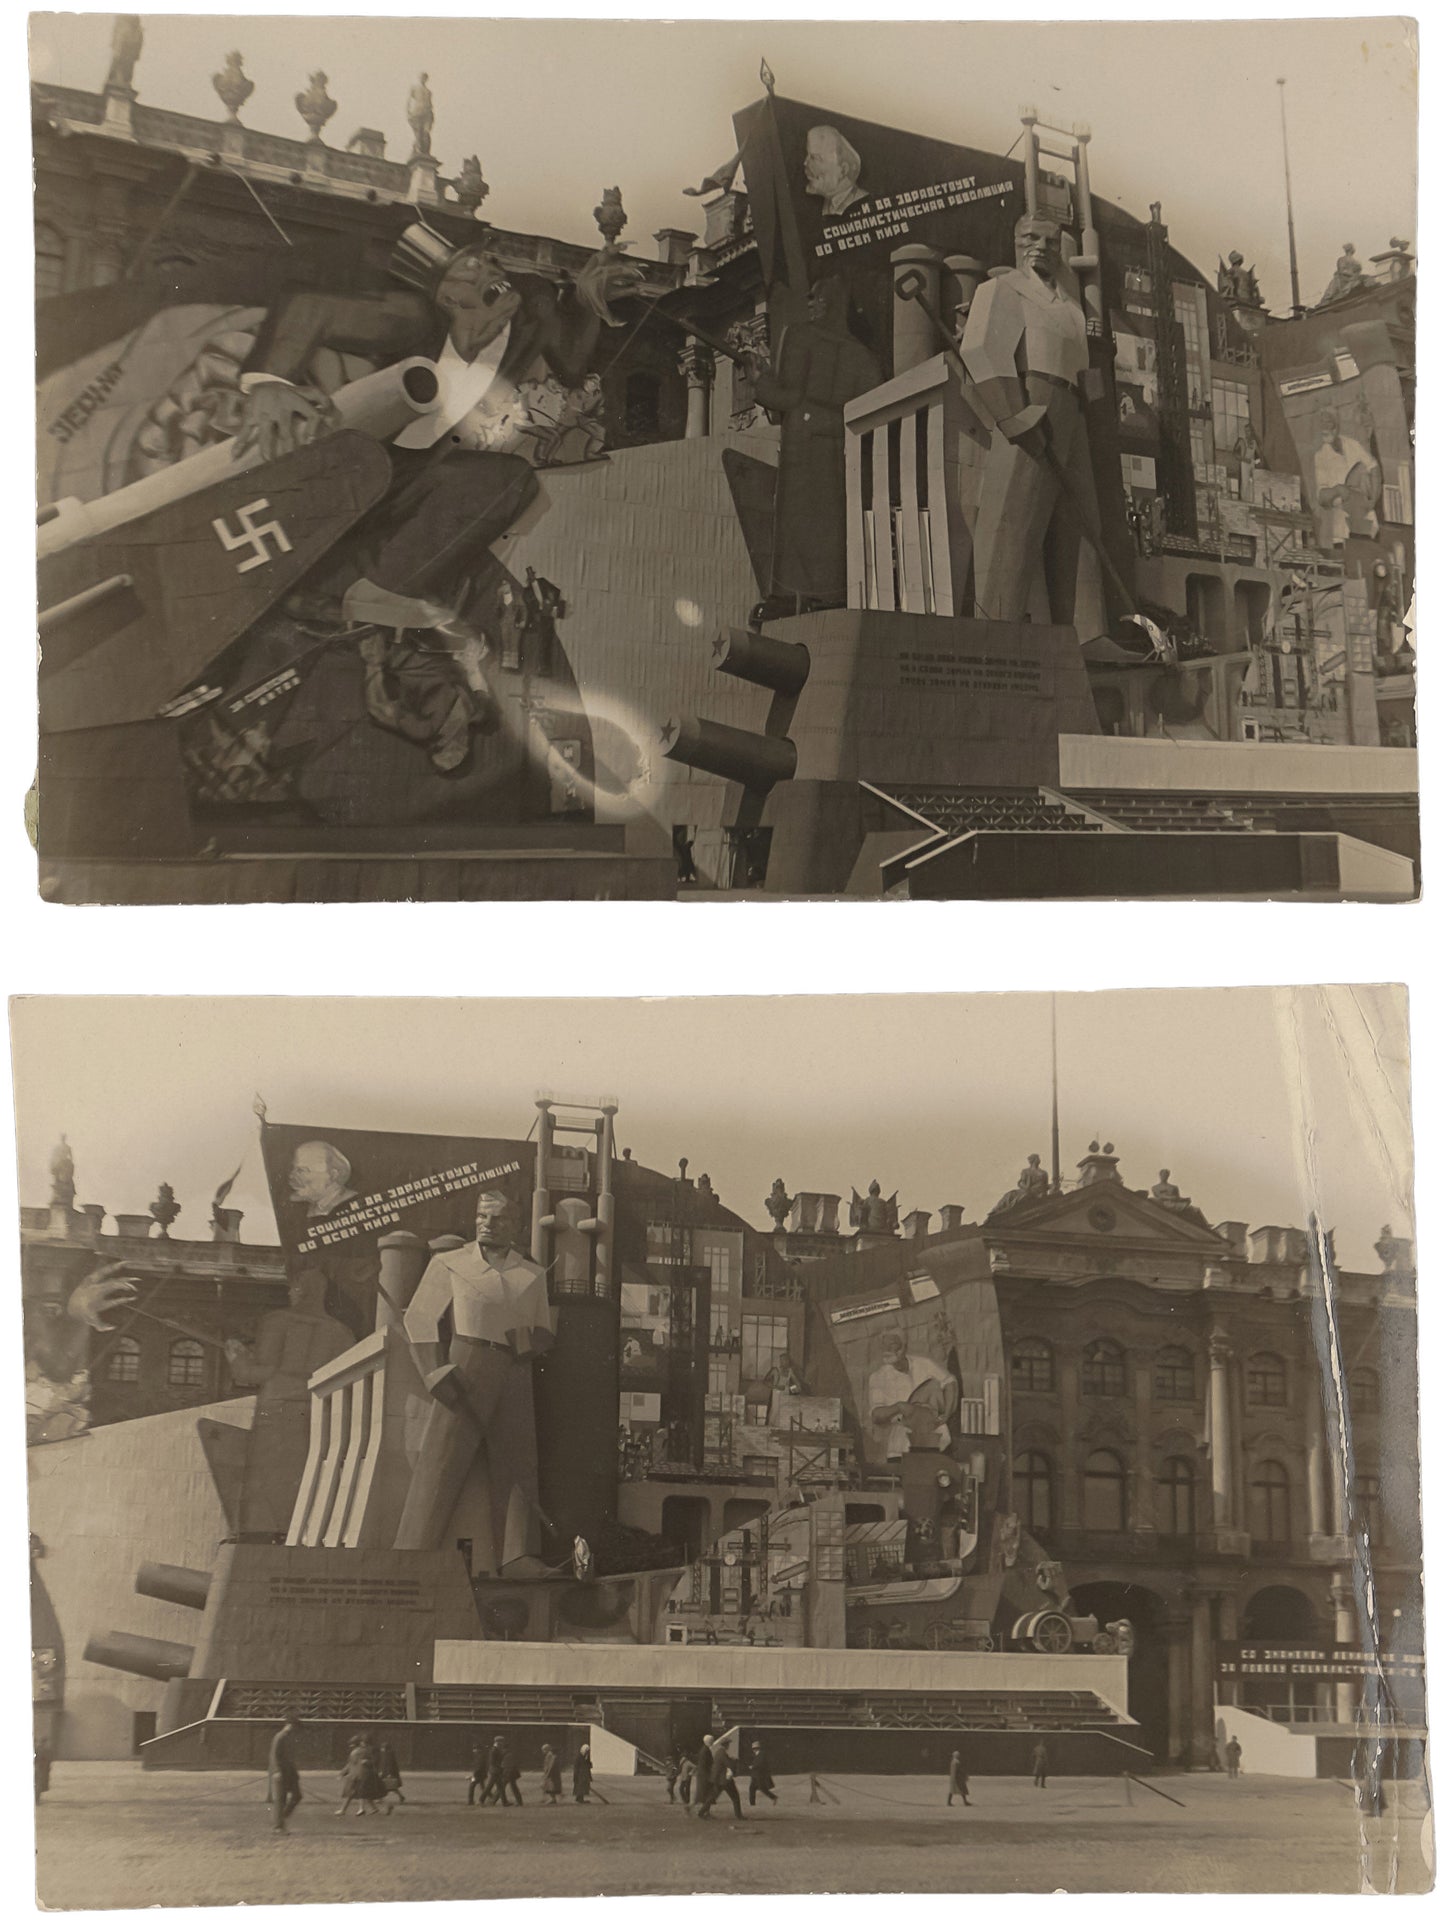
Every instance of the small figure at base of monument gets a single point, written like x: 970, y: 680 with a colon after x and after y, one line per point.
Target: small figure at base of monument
x: 496, y: 1301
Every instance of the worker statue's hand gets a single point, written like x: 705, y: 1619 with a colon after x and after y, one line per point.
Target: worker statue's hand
x: 1028, y: 429
x: 277, y: 418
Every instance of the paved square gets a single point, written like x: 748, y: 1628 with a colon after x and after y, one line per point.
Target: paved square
x: 112, y: 1836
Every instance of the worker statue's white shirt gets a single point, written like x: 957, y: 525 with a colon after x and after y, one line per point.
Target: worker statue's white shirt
x: 496, y: 1296
x: 463, y: 385
x: 1012, y: 303
x: 888, y: 1385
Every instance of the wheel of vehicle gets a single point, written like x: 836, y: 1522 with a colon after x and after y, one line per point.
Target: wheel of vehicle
x: 1104, y: 1644
x: 936, y: 1635
x: 1052, y: 1634
x: 986, y: 1642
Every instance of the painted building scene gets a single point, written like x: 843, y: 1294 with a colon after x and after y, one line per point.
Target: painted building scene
x: 921, y: 498
x: 519, y: 1436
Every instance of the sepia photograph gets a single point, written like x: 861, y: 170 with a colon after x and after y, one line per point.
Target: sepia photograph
x: 529, y: 1448
x: 733, y: 459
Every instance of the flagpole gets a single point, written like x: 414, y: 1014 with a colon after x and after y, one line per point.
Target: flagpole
x: 1298, y: 307
x: 1054, y: 1076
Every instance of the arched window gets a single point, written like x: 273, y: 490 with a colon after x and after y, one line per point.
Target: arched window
x: 1367, y: 1505
x: 1033, y: 1367
x: 1174, y: 1376
x: 1103, y: 1369
x: 1034, y: 1491
x: 49, y: 263
x: 642, y: 406
x: 188, y: 1365
x: 1269, y: 1503
x: 1264, y: 1382
x: 1176, y: 1497
x: 124, y: 1364
x: 1104, y: 1504
x: 1364, y: 1392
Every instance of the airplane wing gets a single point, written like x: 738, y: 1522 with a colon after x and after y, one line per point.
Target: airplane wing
x: 132, y: 616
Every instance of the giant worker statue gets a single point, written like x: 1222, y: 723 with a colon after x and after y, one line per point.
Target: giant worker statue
x: 495, y: 1301
x: 1026, y: 349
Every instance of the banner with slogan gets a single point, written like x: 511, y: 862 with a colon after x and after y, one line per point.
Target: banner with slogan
x: 1316, y: 1661
x: 337, y: 1191
x: 825, y: 191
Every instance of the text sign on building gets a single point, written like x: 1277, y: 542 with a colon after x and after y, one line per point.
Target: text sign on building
x: 860, y: 1309
x: 1319, y: 1661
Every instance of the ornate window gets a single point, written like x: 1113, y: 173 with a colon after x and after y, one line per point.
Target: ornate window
x: 1176, y: 1497
x: 1174, y: 1376
x: 1104, y: 1369
x: 1269, y: 1503
x: 1033, y: 1484
x: 1105, y: 1506
x: 1033, y: 1367
x: 188, y: 1365
x: 124, y: 1364
x: 1364, y: 1392
x: 1264, y: 1382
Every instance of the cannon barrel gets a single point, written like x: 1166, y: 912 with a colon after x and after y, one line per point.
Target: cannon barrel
x: 756, y: 760
x: 762, y: 658
x: 141, y: 1655
x: 170, y: 1582
x: 378, y: 404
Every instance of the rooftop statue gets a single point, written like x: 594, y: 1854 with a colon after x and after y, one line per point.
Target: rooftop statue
x: 421, y: 118
x: 126, y: 41
x: 1237, y: 282
x: 62, y: 1176
x: 1032, y: 1186
x: 469, y: 187
x: 1347, y: 277
x: 871, y: 1213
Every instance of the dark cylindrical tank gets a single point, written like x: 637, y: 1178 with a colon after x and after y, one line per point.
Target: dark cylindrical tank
x: 756, y: 760
x: 763, y: 659
x: 140, y: 1655
x: 169, y: 1582
x: 576, y: 1390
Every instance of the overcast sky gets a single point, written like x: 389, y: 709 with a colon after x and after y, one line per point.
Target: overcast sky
x: 1184, y: 113
x: 1264, y: 1103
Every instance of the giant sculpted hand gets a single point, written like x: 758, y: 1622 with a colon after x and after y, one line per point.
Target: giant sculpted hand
x: 277, y: 418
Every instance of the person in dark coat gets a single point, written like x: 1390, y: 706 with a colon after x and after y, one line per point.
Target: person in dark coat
x: 551, y: 1776
x: 498, y: 1763
x: 42, y: 1772
x: 760, y: 1778
x: 582, y: 1774
x: 957, y: 1780
x: 719, y: 1779
x: 512, y: 1779
x: 360, y: 1780
x: 1041, y: 1764
x: 283, y: 1779
x: 671, y: 1774
x: 389, y: 1771
x: 477, y: 1780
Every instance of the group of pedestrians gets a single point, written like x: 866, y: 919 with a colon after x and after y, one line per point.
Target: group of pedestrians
x: 496, y: 1776
x: 370, y: 1776
x: 697, y: 1780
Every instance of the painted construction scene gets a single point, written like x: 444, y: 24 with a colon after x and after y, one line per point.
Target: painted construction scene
x: 520, y: 1468
x: 948, y: 499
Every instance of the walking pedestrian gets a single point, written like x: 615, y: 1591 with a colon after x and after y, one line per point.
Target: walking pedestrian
x: 958, y: 1779
x: 389, y: 1771
x: 42, y: 1769
x: 1041, y: 1764
x: 1233, y: 1750
x: 672, y: 1772
x: 511, y: 1779
x: 477, y: 1780
x: 551, y: 1776
x: 582, y: 1774
x: 760, y: 1778
x: 360, y: 1782
x: 687, y: 1780
x: 720, y: 1779
x: 283, y: 1779
x: 494, y: 1790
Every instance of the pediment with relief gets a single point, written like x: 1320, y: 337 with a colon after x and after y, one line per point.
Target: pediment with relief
x: 1108, y: 1210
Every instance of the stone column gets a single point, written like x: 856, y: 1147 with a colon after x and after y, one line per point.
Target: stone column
x: 403, y: 1258
x: 1201, y: 1684
x: 1221, y: 1434
x: 1176, y: 1639
x: 1067, y: 1489
x: 1229, y: 1633
x: 1347, y: 1694
x: 698, y: 365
